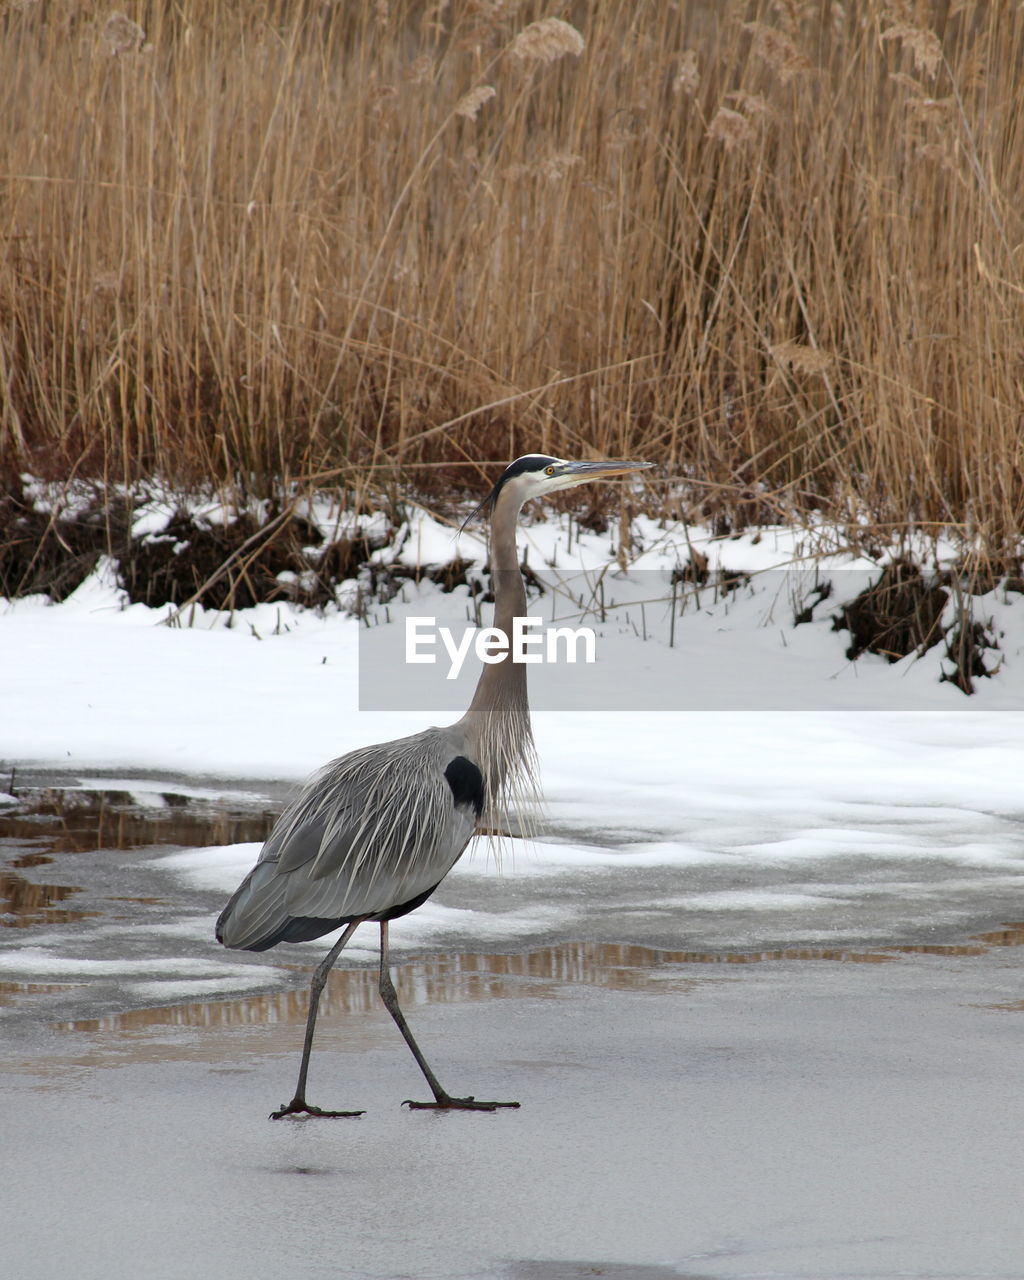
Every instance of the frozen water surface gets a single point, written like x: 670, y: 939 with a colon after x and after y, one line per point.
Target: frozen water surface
x: 788, y: 1057
x: 758, y: 987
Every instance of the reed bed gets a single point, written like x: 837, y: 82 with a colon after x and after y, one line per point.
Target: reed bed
x: 274, y: 245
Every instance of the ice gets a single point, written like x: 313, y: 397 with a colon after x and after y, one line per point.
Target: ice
x: 215, y: 867
x: 805, y: 1120
x: 57, y: 964
x: 754, y: 900
x: 152, y: 792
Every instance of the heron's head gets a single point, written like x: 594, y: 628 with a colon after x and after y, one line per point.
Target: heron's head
x: 536, y: 475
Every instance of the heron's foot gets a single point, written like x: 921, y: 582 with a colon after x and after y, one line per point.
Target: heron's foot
x: 300, y: 1107
x: 444, y: 1102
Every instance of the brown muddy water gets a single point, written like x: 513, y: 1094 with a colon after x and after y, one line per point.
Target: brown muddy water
x: 49, y: 822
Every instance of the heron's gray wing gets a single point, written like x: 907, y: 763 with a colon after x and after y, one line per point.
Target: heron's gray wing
x: 389, y: 830
x: 371, y: 831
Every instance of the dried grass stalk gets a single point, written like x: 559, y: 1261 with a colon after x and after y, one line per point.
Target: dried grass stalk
x: 777, y: 50
x: 547, y: 40
x: 268, y: 257
x: 122, y: 35
x: 731, y: 127
x: 470, y: 103
x: 753, y: 105
x: 687, y: 77
x: 555, y: 166
x: 923, y: 45
x: 801, y: 358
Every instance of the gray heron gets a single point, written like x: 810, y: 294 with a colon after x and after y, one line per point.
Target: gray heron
x: 372, y: 834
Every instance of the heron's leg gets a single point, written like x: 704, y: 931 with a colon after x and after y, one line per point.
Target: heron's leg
x: 442, y: 1101
x: 298, y: 1104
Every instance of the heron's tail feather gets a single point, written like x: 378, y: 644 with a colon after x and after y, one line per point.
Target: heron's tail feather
x: 257, y: 918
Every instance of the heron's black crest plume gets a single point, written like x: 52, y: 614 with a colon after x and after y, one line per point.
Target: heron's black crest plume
x: 529, y: 462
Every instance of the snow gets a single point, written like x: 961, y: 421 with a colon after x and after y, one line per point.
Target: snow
x: 272, y: 692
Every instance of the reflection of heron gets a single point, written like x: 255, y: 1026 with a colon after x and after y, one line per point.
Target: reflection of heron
x: 373, y: 834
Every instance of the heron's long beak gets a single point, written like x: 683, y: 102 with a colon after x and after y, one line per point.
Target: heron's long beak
x: 580, y: 472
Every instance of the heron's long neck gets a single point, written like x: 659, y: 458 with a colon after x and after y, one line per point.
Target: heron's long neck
x: 504, y: 682
x: 498, y: 718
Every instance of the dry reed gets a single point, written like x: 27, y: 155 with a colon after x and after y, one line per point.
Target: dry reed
x: 775, y: 245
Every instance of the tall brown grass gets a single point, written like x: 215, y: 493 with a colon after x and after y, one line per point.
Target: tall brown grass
x: 775, y: 245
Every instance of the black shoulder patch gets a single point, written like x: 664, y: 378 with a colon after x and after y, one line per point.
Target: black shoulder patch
x: 467, y: 784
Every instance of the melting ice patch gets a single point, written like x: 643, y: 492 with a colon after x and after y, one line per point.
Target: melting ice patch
x: 215, y: 867
x: 138, y: 978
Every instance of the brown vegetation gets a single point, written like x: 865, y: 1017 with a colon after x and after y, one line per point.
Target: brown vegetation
x: 898, y: 614
x: 775, y: 245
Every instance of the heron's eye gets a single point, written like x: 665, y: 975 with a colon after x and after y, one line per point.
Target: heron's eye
x: 549, y: 471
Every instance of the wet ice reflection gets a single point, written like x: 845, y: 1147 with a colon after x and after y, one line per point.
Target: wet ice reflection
x: 114, y: 930
x: 85, y: 818
x: 427, y: 980
x: 542, y: 973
